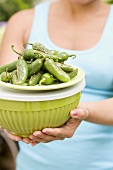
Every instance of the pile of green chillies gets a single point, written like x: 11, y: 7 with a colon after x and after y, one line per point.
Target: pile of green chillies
x: 38, y: 65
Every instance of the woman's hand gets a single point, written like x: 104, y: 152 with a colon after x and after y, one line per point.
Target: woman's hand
x: 15, y: 137
x: 48, y: 134
x: 65, y: 131
x: 51, y: 134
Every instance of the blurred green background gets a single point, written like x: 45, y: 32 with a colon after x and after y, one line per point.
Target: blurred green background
x: 9, y: 7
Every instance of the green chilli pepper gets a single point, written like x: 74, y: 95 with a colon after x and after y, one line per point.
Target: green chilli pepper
x: 20, y: 75
x: 39, y: 47
x: 35, y: 66
x: 9, y: 67
x: 65, y: 67
x: 35, y: 78
x: 63, y: 56
x: 56, y: 71
x: 73, y: 73
x: 47, y: 79
x: 54, y: 52
x: 27, y: 54
x: 25, y: 84
x: 5, y: 77
x: 44, y: 55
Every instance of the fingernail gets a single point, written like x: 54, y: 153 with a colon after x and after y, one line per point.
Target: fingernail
x: 44, y: 131
x: 36, y: 134
x: 1, y: 128
x: 17, y: 140
x: 74, y: 112
x: 30, y: 137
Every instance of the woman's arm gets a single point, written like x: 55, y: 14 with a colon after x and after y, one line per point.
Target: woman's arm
x: 100, y: 112
x: 16, y: 33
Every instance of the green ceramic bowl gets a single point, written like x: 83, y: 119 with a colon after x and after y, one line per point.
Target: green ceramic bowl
x: 23, y: 118
x: 23, y: 112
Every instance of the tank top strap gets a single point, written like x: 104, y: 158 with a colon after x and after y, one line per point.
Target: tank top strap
x: 109, y: 22
x: 39, y: 26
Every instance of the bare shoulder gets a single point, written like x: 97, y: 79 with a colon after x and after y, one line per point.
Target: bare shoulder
x: 24, y: 16
x: 17, y: 32
x: 19, y: 25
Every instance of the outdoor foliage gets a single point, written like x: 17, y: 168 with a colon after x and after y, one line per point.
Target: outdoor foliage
x: 9, y: 7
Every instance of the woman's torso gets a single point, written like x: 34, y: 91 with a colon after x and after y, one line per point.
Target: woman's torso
x: 91, y: 147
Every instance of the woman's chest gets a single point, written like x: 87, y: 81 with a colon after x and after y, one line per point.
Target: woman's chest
x: 98, y: 69
x: 75, y: 35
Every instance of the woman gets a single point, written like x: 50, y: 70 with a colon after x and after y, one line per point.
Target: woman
x: 83, y: 27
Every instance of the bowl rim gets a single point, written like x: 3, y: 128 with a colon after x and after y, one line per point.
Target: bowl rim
x: 79, y: 77
x: 18, y: 95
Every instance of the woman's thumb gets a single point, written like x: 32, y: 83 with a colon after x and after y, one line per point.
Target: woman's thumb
x: 79, y: 114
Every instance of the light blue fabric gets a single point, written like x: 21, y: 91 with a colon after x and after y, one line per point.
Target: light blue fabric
x: 91, y: 147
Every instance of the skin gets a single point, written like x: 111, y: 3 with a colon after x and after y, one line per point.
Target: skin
x: 77, y: 23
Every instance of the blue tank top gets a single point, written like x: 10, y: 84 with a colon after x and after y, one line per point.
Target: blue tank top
x: 91, y: 147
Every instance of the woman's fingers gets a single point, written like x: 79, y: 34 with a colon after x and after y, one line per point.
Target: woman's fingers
x: 39, y: 136
x: 34, y: 143
x: 65, y: 131
x: 12, y: 136
x: 51, y: 134
x: 38, y: 139
x: 17, y: 138
x: 26, y: 140
x: 1, y: 128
